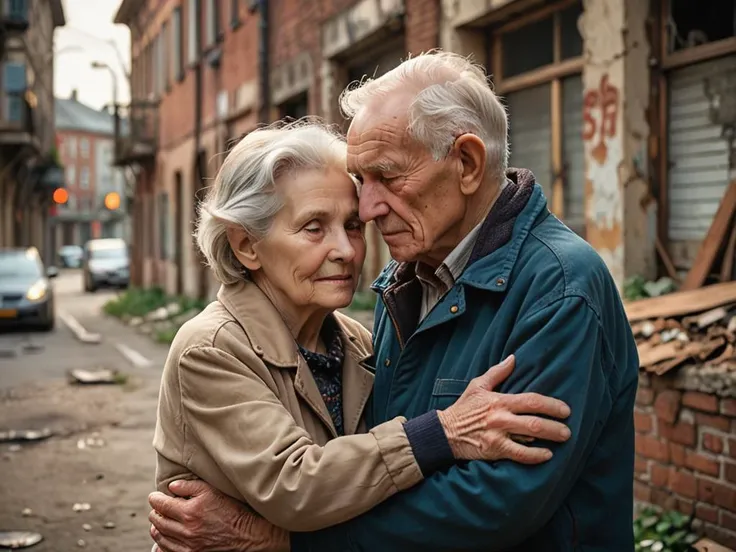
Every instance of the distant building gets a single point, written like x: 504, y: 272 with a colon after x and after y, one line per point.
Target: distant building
x: 86, y: 139
x: 29, y: 170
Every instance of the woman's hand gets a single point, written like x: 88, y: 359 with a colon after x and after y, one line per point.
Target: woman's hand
x: 485, y: 425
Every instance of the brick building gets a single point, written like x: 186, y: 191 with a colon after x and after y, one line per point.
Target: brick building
x: 622, y: 108
x: 29, y: 170
x: 86, y: 140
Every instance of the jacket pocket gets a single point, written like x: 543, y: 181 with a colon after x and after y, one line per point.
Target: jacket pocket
x: 446, y: 391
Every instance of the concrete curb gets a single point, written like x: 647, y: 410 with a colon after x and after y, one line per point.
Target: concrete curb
x: 78, y: 330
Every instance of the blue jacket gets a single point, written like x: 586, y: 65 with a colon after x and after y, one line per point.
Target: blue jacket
x: 547, y: 297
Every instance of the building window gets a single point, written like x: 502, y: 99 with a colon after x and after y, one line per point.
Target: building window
x: 294, y: 108
x: 71, y: 175
x: 235, y: 14
x: 84, y: 178
x: 212, y: 22
x: 697, y: 52
x: 537, y: 66
x: 177, y: 62
x: 163, y: 228
x: 16, y: 10
x: 166, y: 70
x: 193, y: 30
x: 84, y: 148
x: 71, y: 147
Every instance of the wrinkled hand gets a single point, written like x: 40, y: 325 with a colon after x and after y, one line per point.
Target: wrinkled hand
x: 485, y: 425
x: 201, y: 519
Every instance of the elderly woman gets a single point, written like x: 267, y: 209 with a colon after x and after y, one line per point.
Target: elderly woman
x: 263, y: 393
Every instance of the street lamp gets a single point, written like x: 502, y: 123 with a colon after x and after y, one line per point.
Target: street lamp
x: 103, y: 65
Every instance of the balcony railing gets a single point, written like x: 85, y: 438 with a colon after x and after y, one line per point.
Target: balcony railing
x: 18, y: 121
x: 136, y: 136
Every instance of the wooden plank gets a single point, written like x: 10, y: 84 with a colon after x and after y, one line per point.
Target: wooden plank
x: 682, y: 302
x: 666, y: 259
x: 713, y: 240
x: 558, y: 192
x: 571, y: 66
x: 707, y: 545
x: 689, y: 56
x: 728, y: 257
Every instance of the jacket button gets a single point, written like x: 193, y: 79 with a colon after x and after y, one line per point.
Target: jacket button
x: 387, y: 362
x: 258, y: 349
x: 500, y: 282
x: 453, y: 309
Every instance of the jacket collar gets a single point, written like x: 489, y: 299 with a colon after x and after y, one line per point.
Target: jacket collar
x: 272, y: 341
x: 266, y: 330
x: 492, y: 269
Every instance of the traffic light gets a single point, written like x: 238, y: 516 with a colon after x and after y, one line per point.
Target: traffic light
x: 61, y: 196
x: 112, y: 201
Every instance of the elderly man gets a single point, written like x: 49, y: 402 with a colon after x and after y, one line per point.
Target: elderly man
x: 481, y: 269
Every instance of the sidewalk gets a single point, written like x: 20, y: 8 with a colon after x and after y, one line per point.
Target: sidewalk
x: 113, y: 472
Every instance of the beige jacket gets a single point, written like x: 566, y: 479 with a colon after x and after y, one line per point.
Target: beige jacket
x: 239, y: 409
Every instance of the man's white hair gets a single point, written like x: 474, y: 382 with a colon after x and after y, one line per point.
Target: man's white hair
x: 244, y: 192
x: 453, y: 97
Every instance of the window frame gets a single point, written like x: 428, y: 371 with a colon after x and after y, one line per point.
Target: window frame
x: 664, y: 63
x: 552, y: 74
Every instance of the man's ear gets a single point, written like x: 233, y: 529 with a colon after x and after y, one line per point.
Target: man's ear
x: 472, y: 153
x: 242, y: 245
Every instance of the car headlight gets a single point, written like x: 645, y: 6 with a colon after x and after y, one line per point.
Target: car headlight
x: 37, y: 291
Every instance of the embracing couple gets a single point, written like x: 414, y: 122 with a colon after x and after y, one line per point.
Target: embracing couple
x: 490, y: 410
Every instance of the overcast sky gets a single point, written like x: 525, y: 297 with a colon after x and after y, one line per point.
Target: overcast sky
x: 90, y: 35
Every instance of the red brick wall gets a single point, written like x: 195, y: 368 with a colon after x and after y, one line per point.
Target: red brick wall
x: 422, y: 25
x: 686, y: 454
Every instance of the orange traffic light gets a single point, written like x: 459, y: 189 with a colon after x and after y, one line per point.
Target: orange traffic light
x: 112, y: 201
x: 61, y: 196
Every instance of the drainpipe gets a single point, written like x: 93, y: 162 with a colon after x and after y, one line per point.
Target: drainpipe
x: 198, y: 168
x: 264, y: 115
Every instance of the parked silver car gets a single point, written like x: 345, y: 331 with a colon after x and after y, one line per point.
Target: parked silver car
x: 105, y: 264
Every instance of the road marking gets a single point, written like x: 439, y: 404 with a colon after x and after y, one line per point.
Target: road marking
x: 78, y: 330
x: 135, y: 358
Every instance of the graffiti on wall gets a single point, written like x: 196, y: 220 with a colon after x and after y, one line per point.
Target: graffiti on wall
x: 604, y: 155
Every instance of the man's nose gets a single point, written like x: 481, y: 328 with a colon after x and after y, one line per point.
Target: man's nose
x: 371, y: 204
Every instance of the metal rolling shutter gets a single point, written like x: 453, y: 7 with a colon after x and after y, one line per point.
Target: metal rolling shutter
x: 697, y: 154
x: 530, y: 133
x: 573, y: 153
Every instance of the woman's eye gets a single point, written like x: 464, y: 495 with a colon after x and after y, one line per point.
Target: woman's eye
x: 354, y: 225
x: 312, y: 229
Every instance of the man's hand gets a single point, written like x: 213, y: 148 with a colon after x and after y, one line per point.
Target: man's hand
x: 201, y: 519
x: 485, y: 425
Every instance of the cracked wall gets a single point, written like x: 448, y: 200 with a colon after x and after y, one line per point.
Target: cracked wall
x: 619, y: 209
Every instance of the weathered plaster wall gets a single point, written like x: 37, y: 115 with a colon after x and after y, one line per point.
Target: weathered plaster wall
x: 616, y: 83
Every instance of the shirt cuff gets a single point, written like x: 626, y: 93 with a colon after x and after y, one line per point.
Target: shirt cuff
x: 429, y: 443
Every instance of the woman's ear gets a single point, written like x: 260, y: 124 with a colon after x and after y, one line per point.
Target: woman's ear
x: 472, y: 152
x: 242, y: 246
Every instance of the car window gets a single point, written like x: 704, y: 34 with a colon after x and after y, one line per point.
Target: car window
x: 18, y: 264
x: 117, y: 253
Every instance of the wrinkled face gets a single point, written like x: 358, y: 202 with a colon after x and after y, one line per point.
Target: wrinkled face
x: 413, y: 199
x: 314, y: 250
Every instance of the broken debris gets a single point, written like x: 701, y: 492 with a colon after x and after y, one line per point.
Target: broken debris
x: 81, y: 506
x: 19, y: 539
x: 693, y: 327
x: 14, y: 435
x: 101, y: 375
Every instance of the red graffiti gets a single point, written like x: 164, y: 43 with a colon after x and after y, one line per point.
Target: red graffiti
x: 605, y: 101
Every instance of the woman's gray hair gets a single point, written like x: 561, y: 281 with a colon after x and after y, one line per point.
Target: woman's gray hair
x: 244, y: 192
x: 453, y: 97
